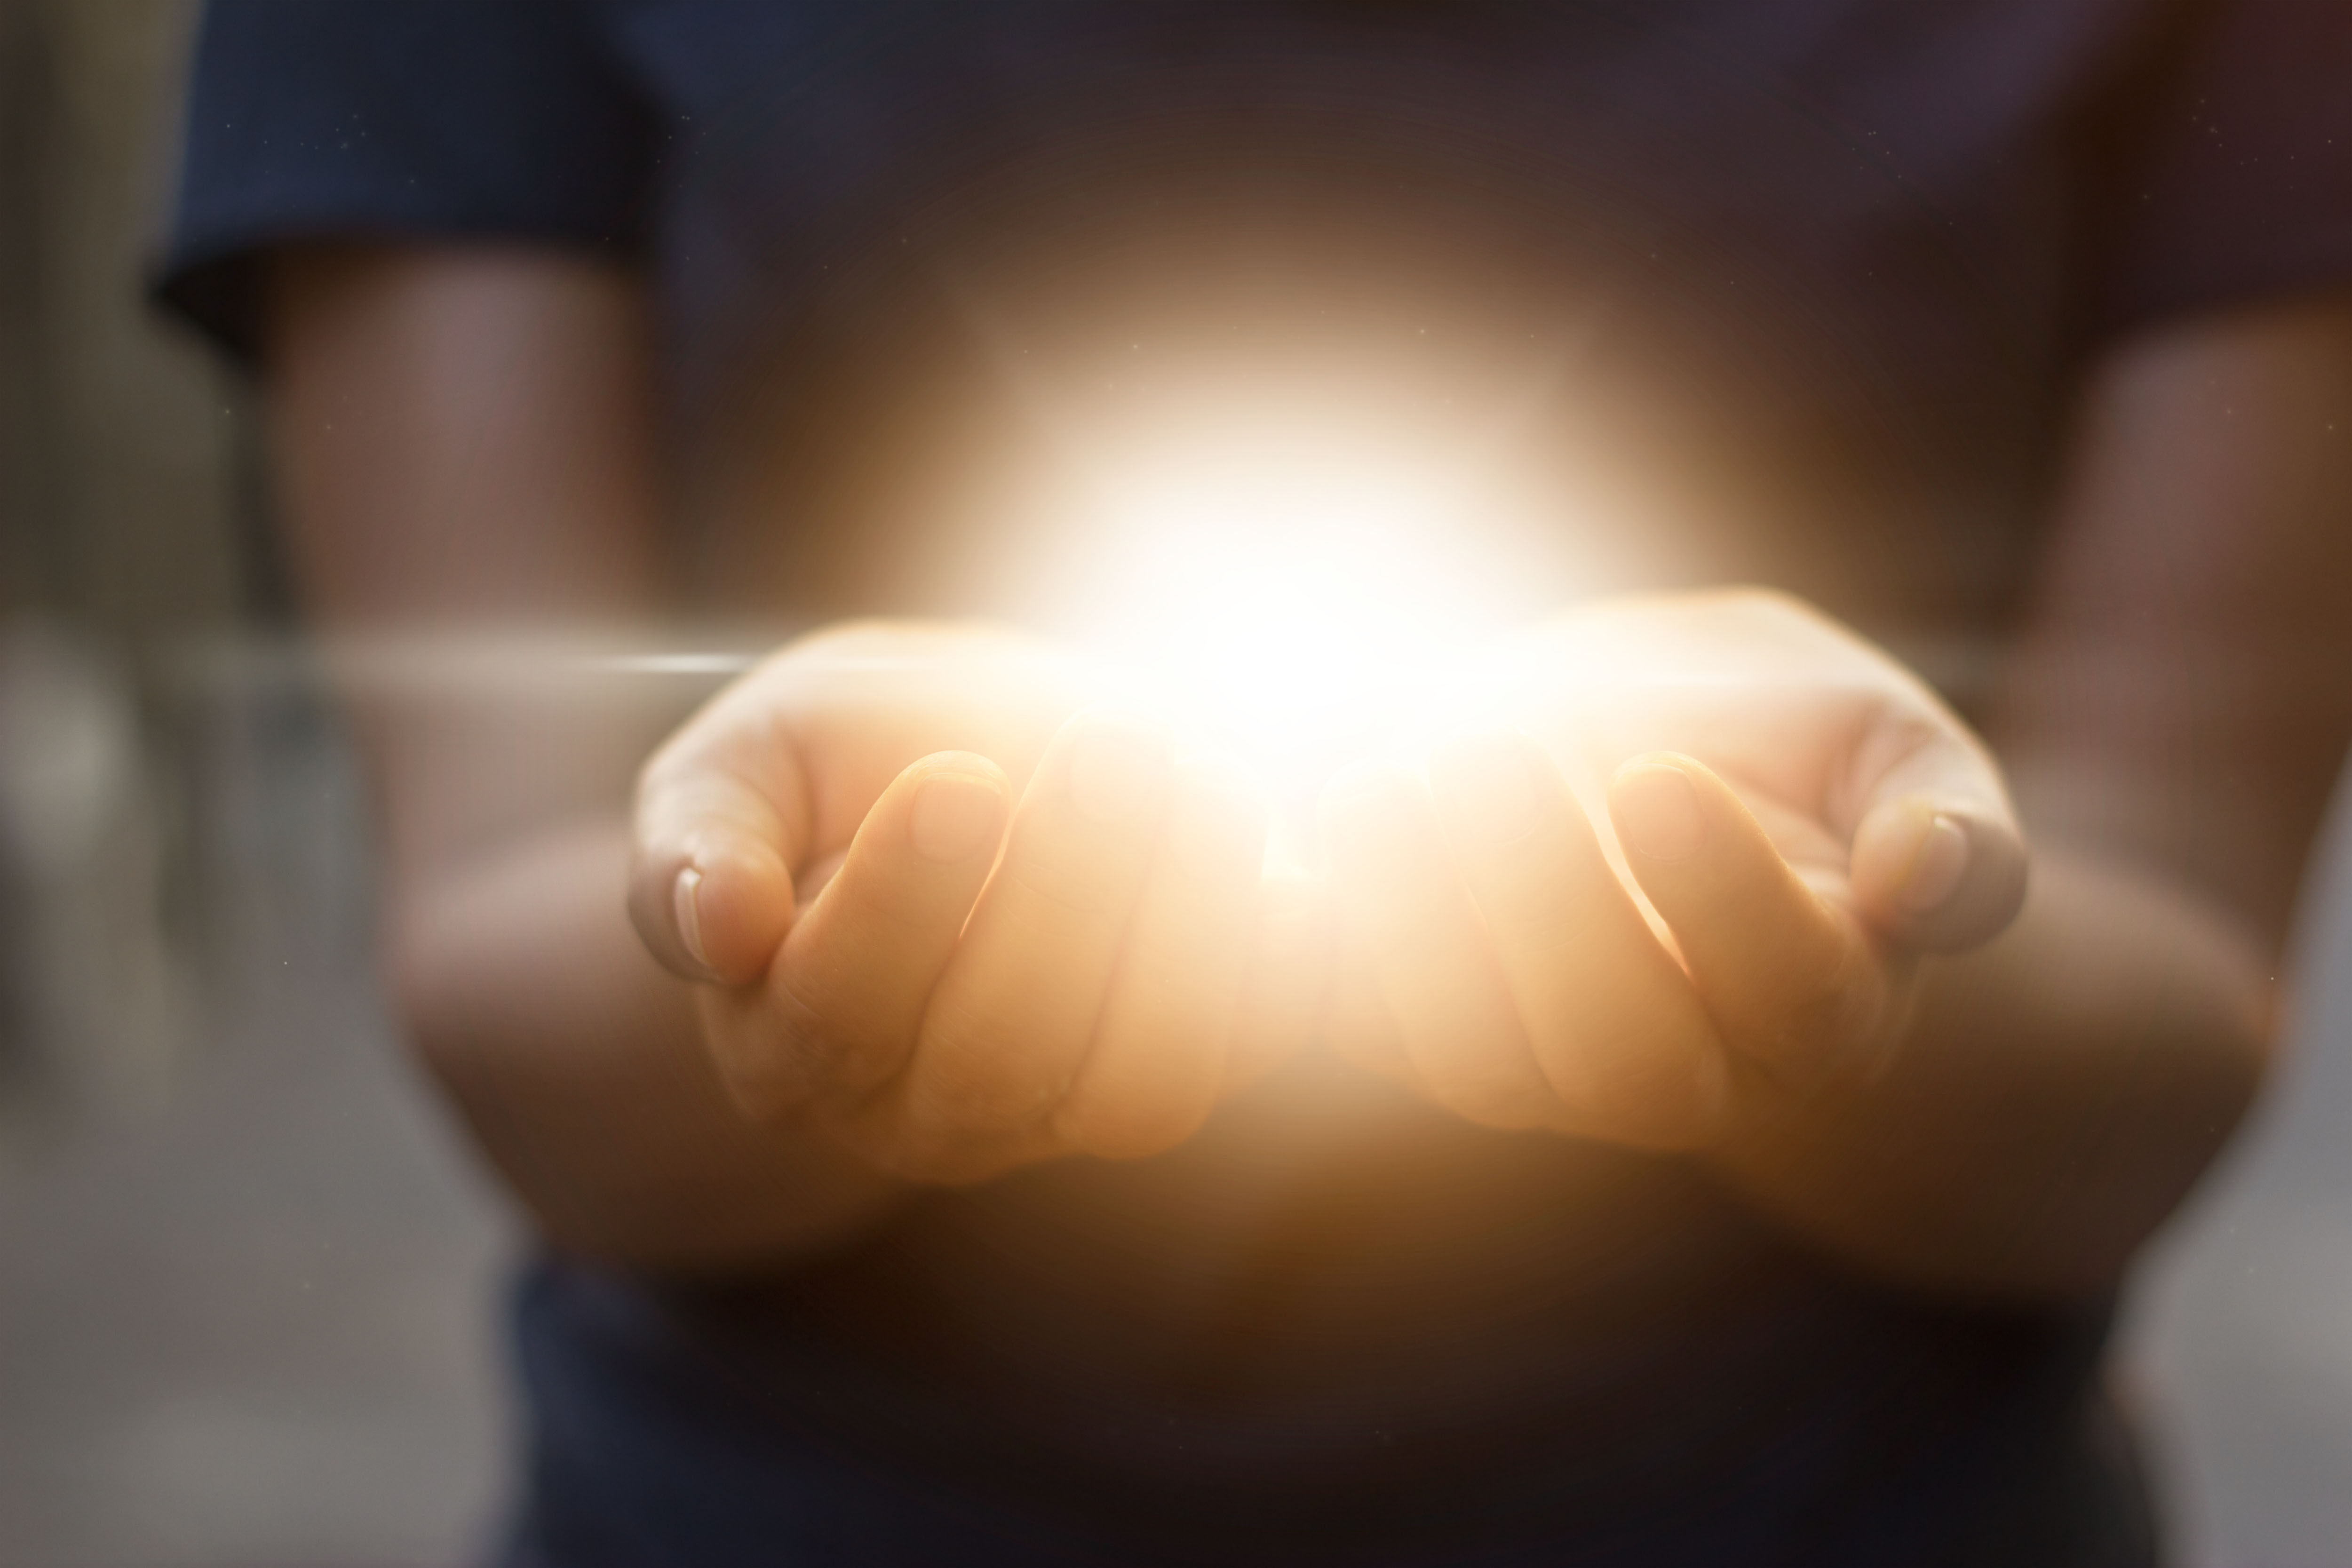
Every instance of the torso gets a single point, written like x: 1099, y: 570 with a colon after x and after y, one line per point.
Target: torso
x: 1727, y: 305
x: 1788, y: 293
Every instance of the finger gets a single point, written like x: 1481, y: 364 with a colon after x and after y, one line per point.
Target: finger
x: 1938, y: 859
x: 1010, y: 1022
x: 1616, y: 1028
x: 1404, y: 904
x: 818, y: 875
x: 1288, y: 979
x: 841, y: 1006
x: 1792, y: 980
x: 1160, y: 1042
x: 721, y: 820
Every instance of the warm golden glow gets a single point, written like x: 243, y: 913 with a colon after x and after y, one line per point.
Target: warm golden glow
x: 1303, y: 595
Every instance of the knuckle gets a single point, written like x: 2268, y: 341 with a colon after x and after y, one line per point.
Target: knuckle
x: 657, y: 777
x: 1897, y: 731
x: 750, y: 1071
x: 744, y: 1054
x: 1630, y: 1084
x: 811, y: 1037
x: 777, y: 1050
x: 969, y: 1083
x: 1804, y: 1034
x: 1820, y: 1030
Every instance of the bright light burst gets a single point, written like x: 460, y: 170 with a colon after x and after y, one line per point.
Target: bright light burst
x: 1305, y: 597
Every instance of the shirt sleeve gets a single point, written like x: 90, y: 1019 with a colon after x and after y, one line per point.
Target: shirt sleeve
x: 2235, y: 180
x: 455, y: 120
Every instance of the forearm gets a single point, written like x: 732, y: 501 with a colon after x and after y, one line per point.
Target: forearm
x: 2055, y: 1096
x: 575, y: 1060
x: 464, y: 441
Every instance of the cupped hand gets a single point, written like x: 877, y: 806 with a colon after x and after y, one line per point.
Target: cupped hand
x: 1801, y: 818
x: 1049, y: 931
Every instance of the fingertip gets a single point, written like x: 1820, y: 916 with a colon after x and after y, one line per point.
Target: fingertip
x: 1936, y: 876
x: 710, y: 882
x: 687, y: 915
x: 1659, y: 808
x: 730, y: 907
x: 961, y: 802
x: 1939, y: 863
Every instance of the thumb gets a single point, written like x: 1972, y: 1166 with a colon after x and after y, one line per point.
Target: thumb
x: 710, y: 879
x: 1936, y: 858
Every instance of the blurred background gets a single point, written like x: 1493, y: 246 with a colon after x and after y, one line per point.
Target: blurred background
x: 248, y: 1278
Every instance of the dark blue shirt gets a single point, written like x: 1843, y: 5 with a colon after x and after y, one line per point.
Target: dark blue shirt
x: 1805, y: 288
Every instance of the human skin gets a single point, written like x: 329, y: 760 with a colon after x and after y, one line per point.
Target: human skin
x: 1043, y: 929
x: 464, y: 441
x: 1849, y: 1026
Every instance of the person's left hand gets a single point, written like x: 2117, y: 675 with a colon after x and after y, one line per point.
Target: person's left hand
x: 1803, y: 815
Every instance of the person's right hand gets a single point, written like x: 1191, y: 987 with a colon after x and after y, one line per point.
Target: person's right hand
x: 980, y: 984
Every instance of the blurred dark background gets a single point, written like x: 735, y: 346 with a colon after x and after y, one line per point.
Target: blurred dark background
x: 248, y: 1278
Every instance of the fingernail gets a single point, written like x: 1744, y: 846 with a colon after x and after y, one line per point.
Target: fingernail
x: 689, y: 914
x: 1657, y: 811
x: 954, y: 816
x: 1935, y: 866
x: 1116, y: 770
x: 1490, y: 784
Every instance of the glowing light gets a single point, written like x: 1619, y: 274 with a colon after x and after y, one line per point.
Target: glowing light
x: 1305, y: 597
